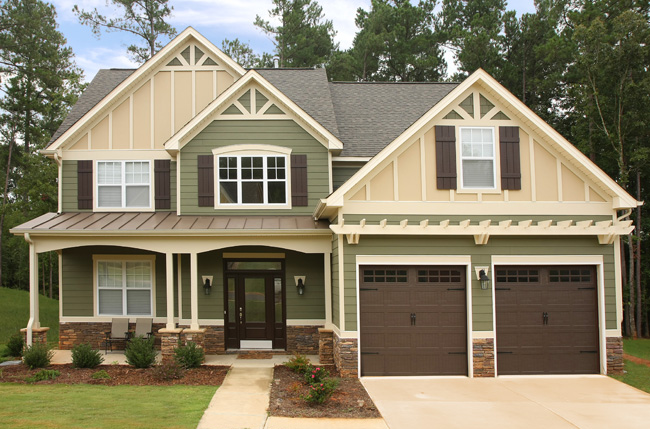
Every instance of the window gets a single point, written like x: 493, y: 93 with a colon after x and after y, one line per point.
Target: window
x: 123, y: 184
x: 124, y: 287
x: 478, y: 158
x: 260, y: 180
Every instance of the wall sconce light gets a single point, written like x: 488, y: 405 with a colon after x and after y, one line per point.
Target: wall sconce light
x: 482, y: 276
x: 207, y: 284
x: 300, y: 284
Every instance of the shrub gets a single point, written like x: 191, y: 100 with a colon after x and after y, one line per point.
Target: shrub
x: 321, y: 392
x: 15, y: 345
x: 100, y: 375
x: 44, y: 374
x: 168, y: 371
x: 83, y: 356
x: 37, y: 356
x: 299, y: 363
x: 189, y: 356
x: 316, y: 375
x: 140, y: 352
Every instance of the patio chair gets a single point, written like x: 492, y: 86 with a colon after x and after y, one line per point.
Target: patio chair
x: 119, y: 333
x: 143, y: 328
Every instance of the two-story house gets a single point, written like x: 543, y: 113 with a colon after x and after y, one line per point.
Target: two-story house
x: 396, y: 228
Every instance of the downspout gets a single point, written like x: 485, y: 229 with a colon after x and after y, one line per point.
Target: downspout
x: 30, y: 323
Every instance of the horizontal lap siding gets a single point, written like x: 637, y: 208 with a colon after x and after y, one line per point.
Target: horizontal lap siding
x: 481, y: 255
x: 283, y: 133
x: 341, y: 174
x: 311, y: 305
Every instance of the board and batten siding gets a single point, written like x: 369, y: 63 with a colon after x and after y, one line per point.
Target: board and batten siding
x: 69, y: 186
x: 481, y: 255
x: 282, y: 133
x: 78, y: 282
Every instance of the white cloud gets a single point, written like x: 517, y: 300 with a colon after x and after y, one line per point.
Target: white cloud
x: 103, y: 58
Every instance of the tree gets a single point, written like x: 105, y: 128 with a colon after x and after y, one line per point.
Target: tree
x: 42, y: 82
x: 244, y: 55
x: 142, y: 18
x: 303, y: 38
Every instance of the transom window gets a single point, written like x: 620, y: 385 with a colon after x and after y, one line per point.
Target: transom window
x: 260, y: 180
x: 478, y: 158
x: 124, y: 288
x: 385, y: 276
x: 123, y: 184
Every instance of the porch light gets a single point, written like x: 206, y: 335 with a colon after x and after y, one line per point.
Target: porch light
x: 300, y: 284
x: 484, y: 279
x: 207, y: 284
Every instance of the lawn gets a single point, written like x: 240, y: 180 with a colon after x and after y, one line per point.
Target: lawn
x: 14, y: 314
x: 636, y: 375
x: 87, y: 406
x: 639, y: 348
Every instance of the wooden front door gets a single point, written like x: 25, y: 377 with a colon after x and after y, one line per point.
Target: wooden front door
x: 255, y: 310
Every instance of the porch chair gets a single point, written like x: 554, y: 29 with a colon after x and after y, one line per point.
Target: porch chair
x: 143, y: 328
x: 119, y: 333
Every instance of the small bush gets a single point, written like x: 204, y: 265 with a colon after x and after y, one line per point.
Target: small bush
x: 316, y: 375
x: 15, y: 345
x: 83, y: 356
x: 100, y: 375
x: 37, y: 356
x: 44, y: 374
x: 140, y: 352
x: 189, y: 356
x: 168, y: 371
x: 321, y: 392
x: 299, y: 363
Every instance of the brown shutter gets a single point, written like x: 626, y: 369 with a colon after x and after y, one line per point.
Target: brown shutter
x: 510, y: 162
x: 446, y: 156
x: 299, y: 195
x: 206, y: 180
x: 84, y: 185
x: 162, y: 178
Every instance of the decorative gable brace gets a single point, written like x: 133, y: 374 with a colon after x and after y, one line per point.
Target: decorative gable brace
x: 206, y: 180
x: 446, y: 157
x: 510, y: 158
x: 84, y: 185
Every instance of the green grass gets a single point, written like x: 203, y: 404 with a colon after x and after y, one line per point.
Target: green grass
x: 639, y: 348
x: 635, y: 375
x: 14, y: 314
x: 86, y: 406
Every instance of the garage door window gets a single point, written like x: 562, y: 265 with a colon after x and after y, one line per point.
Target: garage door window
x: 518, y: 276
x: 438, y: 276
x: 385, y: 276
x: 570, y: 276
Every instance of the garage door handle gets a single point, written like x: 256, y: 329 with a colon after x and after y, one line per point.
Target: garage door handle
x: 412, y: 319
x: 545, y: 318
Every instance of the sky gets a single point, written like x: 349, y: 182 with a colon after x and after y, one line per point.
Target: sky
x: 215, y: 19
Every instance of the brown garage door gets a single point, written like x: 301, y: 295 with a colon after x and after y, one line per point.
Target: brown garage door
x: 547, y: 320
x: 413, y: 320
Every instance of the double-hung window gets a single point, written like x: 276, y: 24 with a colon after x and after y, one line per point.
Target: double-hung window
x: 252, y: 180
x: 123, y: 184
x: 477, y: 156
x: 124, y: 287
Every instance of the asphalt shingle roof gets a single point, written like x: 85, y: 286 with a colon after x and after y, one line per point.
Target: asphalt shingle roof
x: 364, y: 116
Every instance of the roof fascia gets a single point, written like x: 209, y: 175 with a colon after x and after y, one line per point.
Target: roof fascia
x: 139, y: 75
x: 182, y: 137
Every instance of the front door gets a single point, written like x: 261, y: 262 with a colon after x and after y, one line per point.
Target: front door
x: 255, y: 314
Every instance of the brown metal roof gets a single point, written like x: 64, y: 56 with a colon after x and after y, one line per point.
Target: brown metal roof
x: 165, y: 222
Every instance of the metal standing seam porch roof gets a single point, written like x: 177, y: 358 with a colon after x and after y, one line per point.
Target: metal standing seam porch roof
x: 167, y: 222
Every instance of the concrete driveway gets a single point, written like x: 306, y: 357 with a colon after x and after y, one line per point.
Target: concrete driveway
x: 520, y: 402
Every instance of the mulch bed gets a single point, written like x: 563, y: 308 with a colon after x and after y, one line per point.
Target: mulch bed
x: 350, y: 399
x: 120, y: 375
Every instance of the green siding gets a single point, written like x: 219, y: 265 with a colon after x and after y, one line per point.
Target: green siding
x: 341, y: 174
x: 481, y: 255
x: 284, y: 133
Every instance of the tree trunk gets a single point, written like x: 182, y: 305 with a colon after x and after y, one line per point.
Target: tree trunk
x: 630, y: 282
x: 5, y: 195
x: 639, y: 295
x: 627, y: 328
x: 49, y: 257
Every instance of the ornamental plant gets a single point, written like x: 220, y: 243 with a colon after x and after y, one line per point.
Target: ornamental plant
x: 316, y: 375
x: 84, y: 356
x: 189, y: 356
x: 299, y: 364
x: 37, y: 355
x: 320, y: 392
x: 15, y: 345
x: 140, y: 352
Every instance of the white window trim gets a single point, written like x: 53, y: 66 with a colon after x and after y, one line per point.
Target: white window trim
x: 240, y: 151
x: 461, y: 158
x: 96, y: 187
x: 123, y: 258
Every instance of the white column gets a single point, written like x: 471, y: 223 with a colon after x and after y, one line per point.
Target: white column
x: 180, y: 285
x: 194, y: 292
x: 169, y: 265
x: 327, y: 264
x: 34, y: 319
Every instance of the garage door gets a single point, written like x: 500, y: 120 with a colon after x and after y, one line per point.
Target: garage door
x: 413, y: 320
x: 547, y: 320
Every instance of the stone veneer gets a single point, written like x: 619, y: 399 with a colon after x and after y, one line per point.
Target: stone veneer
x: 39, y: 335
x: 483, y: 357
x: 326, y: 346
x: 614, y: 355
x: 346, y: 356
x: 94, y: 333
x: 303, y: 339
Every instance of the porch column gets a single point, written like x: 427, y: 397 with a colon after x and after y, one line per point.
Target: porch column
x: 194, y: 291
x: 327, y: 264
x: 169, y: 264
x: 34, y: 317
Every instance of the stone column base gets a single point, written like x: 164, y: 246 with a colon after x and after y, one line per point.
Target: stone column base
x: 39, y: 335
x: 169, y: 339
x: 326, y: 346
x: 614, y: 355
x: 346, y: 356
x: 196, y: 336
x: 483, y: 357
